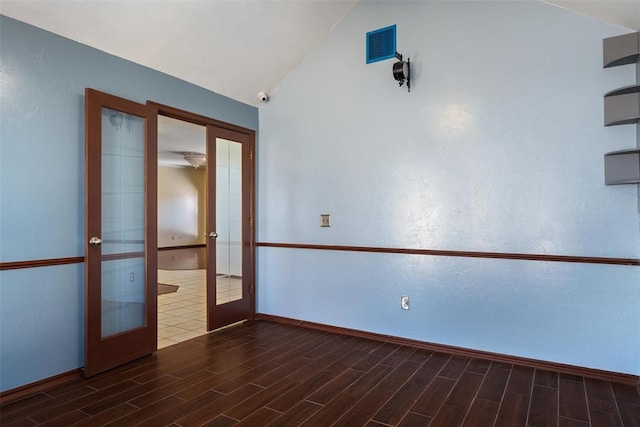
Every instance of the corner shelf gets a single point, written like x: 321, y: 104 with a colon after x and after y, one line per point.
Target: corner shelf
x: 621, y: 50
x: 622, y: 106
x: 622, y: 167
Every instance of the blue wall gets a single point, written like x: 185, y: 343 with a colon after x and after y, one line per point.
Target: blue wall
x: 498, y: 147
x: 42, y: 184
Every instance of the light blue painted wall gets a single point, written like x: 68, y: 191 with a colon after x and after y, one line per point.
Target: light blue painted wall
x: 41, y: 323
x: 43, y: 77
x: 498, y: 147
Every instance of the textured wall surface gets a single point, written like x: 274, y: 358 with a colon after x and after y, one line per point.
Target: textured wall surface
x: 498, y: 147
x: 43, y: 77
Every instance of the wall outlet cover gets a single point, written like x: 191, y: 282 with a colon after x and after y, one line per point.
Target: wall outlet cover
x: 325, y: 220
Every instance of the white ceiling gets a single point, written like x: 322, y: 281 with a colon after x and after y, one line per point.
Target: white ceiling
x: 234, y: 47
x: 625, y: 13
x: 176, y: 137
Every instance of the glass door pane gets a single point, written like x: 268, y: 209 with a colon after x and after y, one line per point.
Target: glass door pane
x: 123, y: 222
x: 228, y: 221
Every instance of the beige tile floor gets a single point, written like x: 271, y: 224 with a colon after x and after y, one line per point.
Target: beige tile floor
x: 182, y: 315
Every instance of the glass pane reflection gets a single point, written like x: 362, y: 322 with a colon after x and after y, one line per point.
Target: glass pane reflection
x: 228, y: 221
x: 123, y: 222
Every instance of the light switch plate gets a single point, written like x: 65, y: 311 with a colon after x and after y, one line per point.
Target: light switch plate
x: 325, y: 220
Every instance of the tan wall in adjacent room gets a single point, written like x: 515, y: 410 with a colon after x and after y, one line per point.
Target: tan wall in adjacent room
x: 181, y: 206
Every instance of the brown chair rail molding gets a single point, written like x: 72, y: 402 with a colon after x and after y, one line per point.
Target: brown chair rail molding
x: 14, y: 265
x: 464, y: 254
x: 173, y: 248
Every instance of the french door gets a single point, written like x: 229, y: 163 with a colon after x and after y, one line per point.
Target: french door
x: 230, y: 226
x: 120, y: 224
x: 121, y: 227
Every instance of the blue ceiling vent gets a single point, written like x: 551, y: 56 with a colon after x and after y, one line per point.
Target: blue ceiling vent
x: 381, y: 44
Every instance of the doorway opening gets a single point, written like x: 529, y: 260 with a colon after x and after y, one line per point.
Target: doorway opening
x: 205, y: 225
x: 182, y: 204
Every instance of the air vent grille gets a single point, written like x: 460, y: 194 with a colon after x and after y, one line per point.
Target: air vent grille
x: 381, y: 44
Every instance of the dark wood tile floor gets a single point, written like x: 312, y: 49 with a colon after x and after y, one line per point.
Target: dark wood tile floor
x: 263, y: 373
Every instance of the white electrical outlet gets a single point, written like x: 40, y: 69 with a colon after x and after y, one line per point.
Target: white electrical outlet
x: 132, y: 277
x: 404, y: 302
x: 325, y: 220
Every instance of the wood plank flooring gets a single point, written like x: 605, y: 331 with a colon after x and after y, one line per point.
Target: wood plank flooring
x: 263, y: 373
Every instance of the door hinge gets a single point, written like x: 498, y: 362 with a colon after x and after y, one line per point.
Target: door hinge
x: 250, y: 221
x: 250, y: 154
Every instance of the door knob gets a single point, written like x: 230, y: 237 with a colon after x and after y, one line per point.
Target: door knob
x: 95, y: 241
x: 213, y: 235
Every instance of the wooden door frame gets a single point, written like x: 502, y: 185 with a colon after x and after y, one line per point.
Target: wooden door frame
x: 247, y: 199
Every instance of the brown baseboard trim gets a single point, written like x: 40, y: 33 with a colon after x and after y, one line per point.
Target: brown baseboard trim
x: 14, y: 265
x: 463, y: 254
x: 460, y: 351
x: 171, y: 248
x: 39, y: 386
